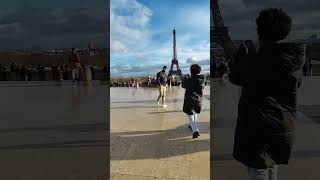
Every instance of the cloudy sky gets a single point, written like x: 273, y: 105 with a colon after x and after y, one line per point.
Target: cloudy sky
x: 141, y: 35
x: 53, y: 24
x: 240, y: 15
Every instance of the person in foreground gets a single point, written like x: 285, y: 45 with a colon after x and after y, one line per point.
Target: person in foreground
x: 162, y: 83
x: 193, y: 97
x: 267, y: 107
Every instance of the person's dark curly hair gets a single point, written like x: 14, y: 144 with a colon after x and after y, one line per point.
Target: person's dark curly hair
x: 273, y: 25
x: 195, y: 69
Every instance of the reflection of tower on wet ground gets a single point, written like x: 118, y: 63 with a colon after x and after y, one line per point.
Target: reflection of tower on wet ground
x: 87, y: 88
x: 81, y: 93
x: 76, y: 96
x: 134, y: 91
x: 173, y: 94
x: 149, y: 92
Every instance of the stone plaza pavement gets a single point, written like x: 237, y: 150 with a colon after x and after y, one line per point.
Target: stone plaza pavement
x: 53, y: 131
x: 150, y: 142
x: 305, y: 161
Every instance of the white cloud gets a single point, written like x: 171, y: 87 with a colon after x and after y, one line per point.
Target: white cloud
x: 134, y: 48
x: 195, y: 60
x: 134, y: 69
x: 186, y: 50
x: 192, y: 60
x: 117, y: 46
x: 129, y: 20
x: 11, y: 30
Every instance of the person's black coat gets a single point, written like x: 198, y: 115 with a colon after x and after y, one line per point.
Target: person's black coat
x: 213, y: 68
x: 267, y: 106
x: 193, y: 95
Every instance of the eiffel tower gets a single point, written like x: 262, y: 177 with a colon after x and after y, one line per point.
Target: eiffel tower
x: 174, y: 58
x: 219, y: 32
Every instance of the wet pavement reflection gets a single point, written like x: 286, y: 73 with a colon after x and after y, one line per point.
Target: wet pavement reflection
x: 147, y: 140
x: 56, y: 129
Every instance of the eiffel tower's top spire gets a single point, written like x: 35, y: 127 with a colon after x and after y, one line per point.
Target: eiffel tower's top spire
x: 174, y: 58
x: 174, y: 45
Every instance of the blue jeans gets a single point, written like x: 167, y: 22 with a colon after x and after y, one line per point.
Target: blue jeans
x: 263, y: 174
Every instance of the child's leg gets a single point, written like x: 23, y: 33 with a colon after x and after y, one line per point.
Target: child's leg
x: 195, y: 121
x: 191, y: 122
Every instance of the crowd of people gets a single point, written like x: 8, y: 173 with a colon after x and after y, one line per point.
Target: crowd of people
x: 74, y: 71
x: 132, y: 82
x: 149, y: 81
x: 56, y: 72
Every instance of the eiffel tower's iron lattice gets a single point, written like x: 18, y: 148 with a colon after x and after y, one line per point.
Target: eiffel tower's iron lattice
x: 218, y: 31
x: 174, y: 61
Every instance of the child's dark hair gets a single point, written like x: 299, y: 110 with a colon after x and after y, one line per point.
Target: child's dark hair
x: 273, y: 25
x: 195, y: 69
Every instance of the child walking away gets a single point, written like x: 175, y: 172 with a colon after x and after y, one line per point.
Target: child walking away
x: 193, y: 97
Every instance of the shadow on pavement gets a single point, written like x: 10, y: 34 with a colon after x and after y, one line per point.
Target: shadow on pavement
x: 68, y: 128
x: 65, y: 144
x: 158, y: 144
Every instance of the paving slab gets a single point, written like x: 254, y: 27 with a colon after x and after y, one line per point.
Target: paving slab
x: 53, y: 131
x: 150, y: 142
